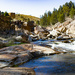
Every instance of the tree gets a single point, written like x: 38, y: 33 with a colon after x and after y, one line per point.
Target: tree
x: 48, y: 18
x: 45, y: 18
x: 38, y: 22
x: 2, y: 13
x: 60, y: 9
x: 42, y: 20
x: 6, y: 14
x: 71, y: 4
x: 67, y: 4
x: 66, y: 10
x: 72, y: 13
x: 53, y: 18
x: 61, y: 17
x: 49, y: 13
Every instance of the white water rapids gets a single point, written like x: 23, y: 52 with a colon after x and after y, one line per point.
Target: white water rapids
x: 56, y: 44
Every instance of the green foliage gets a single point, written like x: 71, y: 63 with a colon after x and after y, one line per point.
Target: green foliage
x: 15, y: 66
x: 43, y: 20
x: 60, y: 10
x: 61, y: 17
x: 38, y: 22
x: 72, y: 13
x: 2, y: 13
x: 26, y: 18
x: 48, y: 18
x: 68, y: 9
x: 70, y: 4
x: 6, y: 14
x: 54, y: 17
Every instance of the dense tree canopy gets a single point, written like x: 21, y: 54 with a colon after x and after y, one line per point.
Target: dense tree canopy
x: 72, y: 12
x: 67, y: 10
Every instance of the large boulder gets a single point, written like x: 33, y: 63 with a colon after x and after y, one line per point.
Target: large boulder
x: 18, y: 38
x: 71, y: 28
x: 64, y: 37
x: 72, y: 35
x: 6, y: 59
x: 62, y: 29
x: 55, y: 33
x: 41, y: 32
x: 42, y: 35
x: 22, y: 38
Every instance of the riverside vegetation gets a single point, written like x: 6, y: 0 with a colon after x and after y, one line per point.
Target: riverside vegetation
x: 66, y: 10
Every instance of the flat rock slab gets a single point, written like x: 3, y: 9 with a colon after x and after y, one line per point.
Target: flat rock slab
x: 22, y: 58
x: 7, y: 57
x: 44, y: 50
x: 17, y: 71
x: 15, y: 55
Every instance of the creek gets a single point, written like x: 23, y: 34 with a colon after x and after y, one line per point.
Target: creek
x: 58, y: 64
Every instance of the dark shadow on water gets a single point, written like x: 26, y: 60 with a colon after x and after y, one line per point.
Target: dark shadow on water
x: 56, y: 68
x: 53, y: 65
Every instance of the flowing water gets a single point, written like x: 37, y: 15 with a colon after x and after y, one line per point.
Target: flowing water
x: 62, y: 64
x: 58, y: 64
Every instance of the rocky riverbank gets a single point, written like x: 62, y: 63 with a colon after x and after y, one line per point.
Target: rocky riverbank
x: 19, y: 54
x: 15, y: 55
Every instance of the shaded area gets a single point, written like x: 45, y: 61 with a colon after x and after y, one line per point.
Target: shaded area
x: 62, y: 64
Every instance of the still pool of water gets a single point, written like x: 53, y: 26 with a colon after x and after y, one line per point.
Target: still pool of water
x: 61, y: 64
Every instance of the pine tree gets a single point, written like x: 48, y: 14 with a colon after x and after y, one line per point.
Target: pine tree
x: 42, y: 20
x: 45, y: 18
x: 70, y: 4
x: 48, y: 18
x: 66, y: 10
x: 72, y: 12
x: 61, y: 17
x: 53, y: 18
x: 38, y: 22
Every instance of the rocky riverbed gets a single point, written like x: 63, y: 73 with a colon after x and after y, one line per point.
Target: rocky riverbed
x: 19, y: 54
x: 16, y: 55
x: 58, y: 64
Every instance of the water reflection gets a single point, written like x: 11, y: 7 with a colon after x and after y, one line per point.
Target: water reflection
x: 62, y: 64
